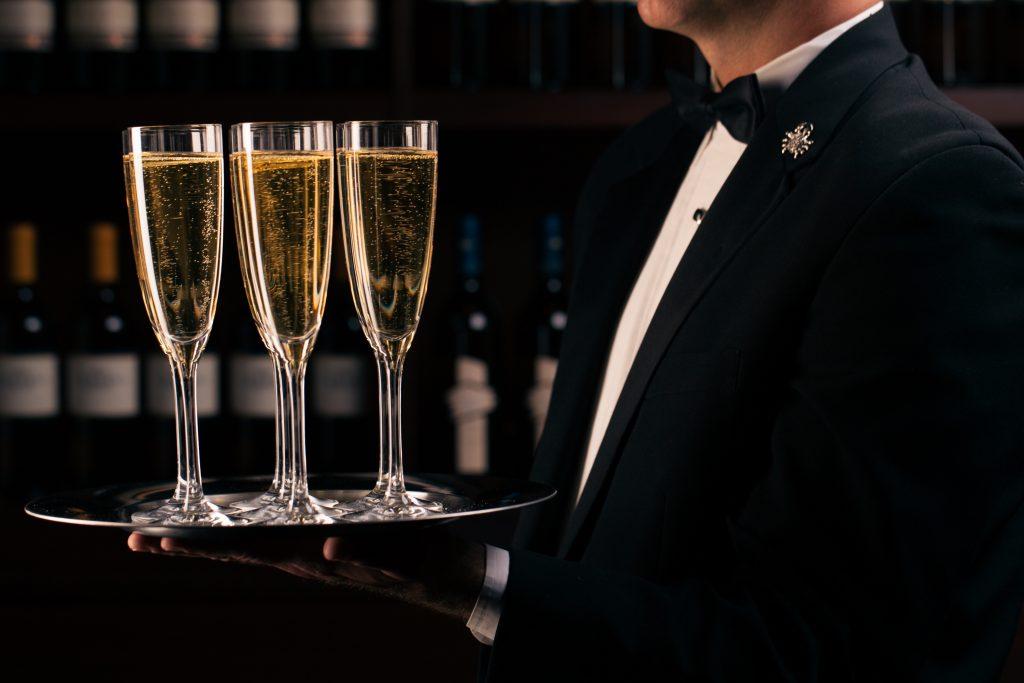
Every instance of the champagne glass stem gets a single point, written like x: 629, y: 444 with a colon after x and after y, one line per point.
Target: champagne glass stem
x: 382, y: 462
x: 298, y: 486
x: 393, y: 405
x: 189, y: 489
x: 281, y: 462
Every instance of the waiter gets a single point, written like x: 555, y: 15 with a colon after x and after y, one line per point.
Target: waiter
x: 788, y: 426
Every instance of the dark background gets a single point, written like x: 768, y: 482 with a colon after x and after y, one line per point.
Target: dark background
x: 75, y: 598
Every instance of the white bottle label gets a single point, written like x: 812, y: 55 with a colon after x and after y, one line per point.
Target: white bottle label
x: 339, y: 385
x: 26, y: 25
x: 264, y: 24
x: 539, y: 398
x: 344, y: 24
x: 253, y: 392
x: 183, y: 24
x: 103, y: 385
x: 29, y: 385
x: 160, y: 386
x: 111, y: 25
x: 470, y: 401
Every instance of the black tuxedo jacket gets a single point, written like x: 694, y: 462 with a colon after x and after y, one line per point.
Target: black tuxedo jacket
x: 815, y: 471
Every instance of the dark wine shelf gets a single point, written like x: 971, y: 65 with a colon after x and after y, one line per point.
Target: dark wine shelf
x: 487, y: 110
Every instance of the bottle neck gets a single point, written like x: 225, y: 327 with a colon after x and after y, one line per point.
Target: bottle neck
x: 24, y: 264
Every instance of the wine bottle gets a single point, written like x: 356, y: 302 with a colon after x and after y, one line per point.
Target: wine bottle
x: 343, y: 43
x: 958, y: 45
x: 547, y: 32
x: 29, y: 378
x: 26, y: 44
x: 466, y: 31
x: 252, y: 390
x: 263, y: 38
x: 103, y: 383
x: 102, y: 38
x: 623, y: 56
x: 472, y: 400
x: 182, y: 38
x: 342, y: 432
x: 551, y: 320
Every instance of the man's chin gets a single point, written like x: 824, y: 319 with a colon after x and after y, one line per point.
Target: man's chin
x: 667, y: 15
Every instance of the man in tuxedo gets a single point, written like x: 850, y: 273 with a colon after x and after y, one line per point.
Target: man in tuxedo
x: 787, y: 429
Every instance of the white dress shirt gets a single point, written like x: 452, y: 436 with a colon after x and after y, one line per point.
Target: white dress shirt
x: 714, y: 161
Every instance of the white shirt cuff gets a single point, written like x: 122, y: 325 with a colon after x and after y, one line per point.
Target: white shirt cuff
x: 483, y: 622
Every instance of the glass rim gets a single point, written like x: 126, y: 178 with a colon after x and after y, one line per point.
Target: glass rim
x: 387, y: 122
x: 172, y: 127
x: 271, y: 124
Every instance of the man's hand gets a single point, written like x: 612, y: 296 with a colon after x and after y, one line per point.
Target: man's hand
x: 429, y: 568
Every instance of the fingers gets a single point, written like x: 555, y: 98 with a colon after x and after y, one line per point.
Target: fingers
x: 143, y: 544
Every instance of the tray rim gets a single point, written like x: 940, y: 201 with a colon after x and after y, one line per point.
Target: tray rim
x: 414, y: 483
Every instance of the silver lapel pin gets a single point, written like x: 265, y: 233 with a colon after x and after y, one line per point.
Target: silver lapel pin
x: 798, y: 140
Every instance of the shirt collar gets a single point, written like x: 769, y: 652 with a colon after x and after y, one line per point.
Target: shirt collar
x: 784, y: 69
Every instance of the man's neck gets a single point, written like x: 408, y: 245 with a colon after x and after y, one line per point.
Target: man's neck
x: 743, y: 44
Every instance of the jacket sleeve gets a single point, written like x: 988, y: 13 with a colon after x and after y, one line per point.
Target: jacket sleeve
x: 886, y: 538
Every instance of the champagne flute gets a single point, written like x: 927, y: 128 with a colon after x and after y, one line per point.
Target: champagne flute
x: 388, y: 176
x: 282, y: 180
x: 174, y: 181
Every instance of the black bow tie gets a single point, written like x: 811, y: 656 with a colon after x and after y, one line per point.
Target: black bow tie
x: 739, y: 106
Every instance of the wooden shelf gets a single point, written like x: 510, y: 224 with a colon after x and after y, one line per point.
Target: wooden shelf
x: 497, y: 110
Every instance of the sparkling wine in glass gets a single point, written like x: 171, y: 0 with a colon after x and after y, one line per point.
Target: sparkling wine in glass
x: 388, y: 172
x: 174, y: 181
x: 282, y: 178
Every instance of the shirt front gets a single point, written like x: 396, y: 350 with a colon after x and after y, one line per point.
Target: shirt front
x: 714, y: 161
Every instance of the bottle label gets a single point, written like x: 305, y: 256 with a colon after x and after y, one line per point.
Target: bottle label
x: 103, y: 385
x: 160, y: 386
x: 26, y: 25
x: 188, y: 25
x: 253, y: 390
x: 110, y: 25
x: 29, y: 385
x: 470, y: 401
x: 339, y: 385
x: 264, y: 24
x: 343, y: 24
x: 538, y: 400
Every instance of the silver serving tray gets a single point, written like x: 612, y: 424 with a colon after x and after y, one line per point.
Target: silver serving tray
x: 462, y: 497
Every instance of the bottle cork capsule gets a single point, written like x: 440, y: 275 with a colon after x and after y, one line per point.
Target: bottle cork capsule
x: 24, y: 267
x: 103, y: 261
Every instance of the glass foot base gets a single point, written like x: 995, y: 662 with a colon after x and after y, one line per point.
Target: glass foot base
x: 377, y: 505
x: 174, y: 513
x: 278, y: 512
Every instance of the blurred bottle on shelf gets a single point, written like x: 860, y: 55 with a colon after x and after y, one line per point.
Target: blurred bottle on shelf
x: 102, y: 376
x: 621, y: 55
x: 160, y: 415
x: 343, y: 43
x: 252, y: 391
x: 909, y: 22
x: 182, y: 39
x: 547, y: 36
x: 102, y: 43
x: 959, y: 43
x: 26, y: 44
x: 263, y: 37
x: 342, y: 433
x: 29, y: 378
x: 1012, y: 50
x: 463, y: 50
x: 472, y: 398
x: 550, y: 322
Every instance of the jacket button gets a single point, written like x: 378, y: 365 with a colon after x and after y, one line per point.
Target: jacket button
x: 699, y: 214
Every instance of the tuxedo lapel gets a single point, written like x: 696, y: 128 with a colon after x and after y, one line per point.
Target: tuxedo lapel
x: 758, y: 183
x: 617, y: 247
